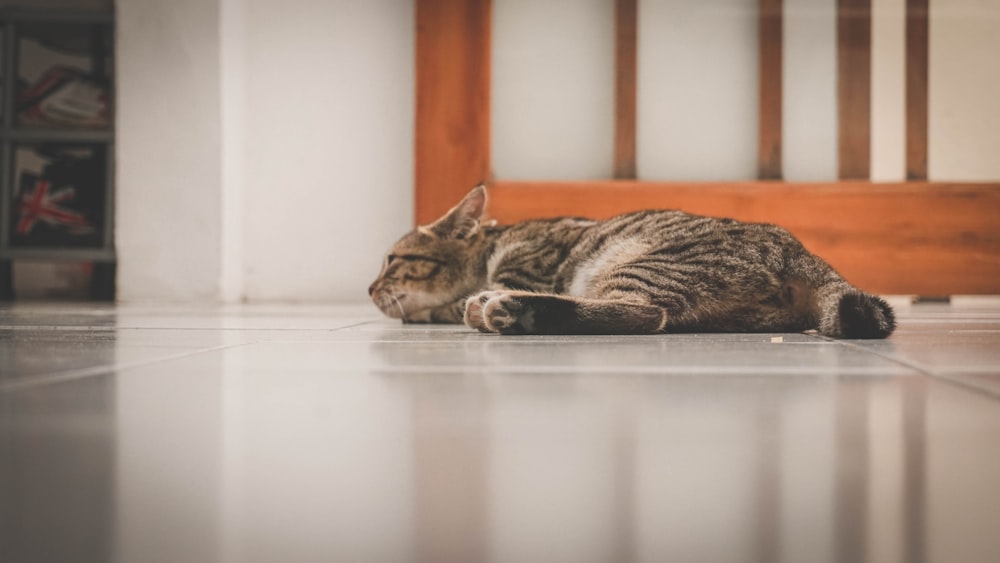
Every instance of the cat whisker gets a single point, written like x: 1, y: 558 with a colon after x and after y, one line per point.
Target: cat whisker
x: 402, y: 313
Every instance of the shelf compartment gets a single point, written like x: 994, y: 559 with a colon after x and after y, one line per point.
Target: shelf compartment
x: 64, y: 75
x: 59, y: 196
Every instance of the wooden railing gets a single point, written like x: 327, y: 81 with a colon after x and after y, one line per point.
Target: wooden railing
x: 912, y: 237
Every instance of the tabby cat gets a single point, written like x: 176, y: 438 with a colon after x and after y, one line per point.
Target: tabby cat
x: 639, y: 273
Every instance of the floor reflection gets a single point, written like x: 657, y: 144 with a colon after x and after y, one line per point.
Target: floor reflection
x: 57, y: 473
x: 912, y: 509
x: 635, y: 469
x: 244, y: 445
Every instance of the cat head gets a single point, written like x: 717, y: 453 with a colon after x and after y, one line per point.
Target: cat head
x: 434, y: 265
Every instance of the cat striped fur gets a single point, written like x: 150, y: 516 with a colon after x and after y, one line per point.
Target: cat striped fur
x: 639, y: 273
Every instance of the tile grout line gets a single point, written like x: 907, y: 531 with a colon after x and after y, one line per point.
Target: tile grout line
x: 77, y: 374
x: 357, y: 324
x: 919, y: 368
x: 796, y: 372
x: 82, y: 328
x: 73, y: 375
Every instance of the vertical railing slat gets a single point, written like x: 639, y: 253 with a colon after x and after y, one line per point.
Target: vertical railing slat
x: 770, y: 77
x: 626, y: 22
x: 916, y: 89
x: 854, y: 22
x: 452, y: 102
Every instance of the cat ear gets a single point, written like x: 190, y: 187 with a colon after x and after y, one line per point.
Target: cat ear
x: 463, y: 219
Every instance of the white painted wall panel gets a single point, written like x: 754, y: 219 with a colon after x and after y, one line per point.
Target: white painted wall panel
x: 265, y: 148
x: 329, y: 144
x: 167, y: 222
x: 964, y: 91
x: 809, y: 93
x: 697, y: 90
x: 234, y: 162
x: 888, y: 113
x: 553, y: 89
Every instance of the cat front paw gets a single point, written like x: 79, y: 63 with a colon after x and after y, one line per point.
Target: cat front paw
x: 474, y: 310
x: 499, y: 311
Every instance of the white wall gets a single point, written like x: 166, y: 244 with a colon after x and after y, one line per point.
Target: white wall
x: 888, y: 111
x: 697, y: 90
x: 265, y: 148
x: 329, y: 139
x: 964, y: 91
x: 809, y: 91
x: 169, y: 135
x: 553, y: 89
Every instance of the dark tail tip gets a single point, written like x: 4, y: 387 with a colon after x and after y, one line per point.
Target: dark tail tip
x: 863, y: 315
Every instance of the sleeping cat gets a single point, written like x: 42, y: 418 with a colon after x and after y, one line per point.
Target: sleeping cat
x: 639, y: 273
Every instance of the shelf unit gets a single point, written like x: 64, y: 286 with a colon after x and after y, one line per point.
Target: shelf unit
x: 16, y: 23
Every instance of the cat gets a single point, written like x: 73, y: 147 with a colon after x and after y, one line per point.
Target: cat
x: 646, y: 272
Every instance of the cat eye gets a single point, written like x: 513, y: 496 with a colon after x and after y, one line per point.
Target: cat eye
x: 413, y: 258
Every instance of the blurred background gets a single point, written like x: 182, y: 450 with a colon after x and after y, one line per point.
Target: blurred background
x: 253, y: 150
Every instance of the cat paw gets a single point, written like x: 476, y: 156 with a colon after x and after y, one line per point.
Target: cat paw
x: 497, y: 311
x: 474, y: 310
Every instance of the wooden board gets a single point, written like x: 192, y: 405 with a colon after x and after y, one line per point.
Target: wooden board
x: 900, y: 238
x: 916, y: 89
x: 625, y: 88
x: 769, y: 108
x: 854, y: 33
x: 452, y: 102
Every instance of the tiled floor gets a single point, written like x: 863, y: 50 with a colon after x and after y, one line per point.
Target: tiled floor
x: 188, y: 434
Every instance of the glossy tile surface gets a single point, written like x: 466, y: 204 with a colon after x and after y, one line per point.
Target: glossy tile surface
x: 325, y: 433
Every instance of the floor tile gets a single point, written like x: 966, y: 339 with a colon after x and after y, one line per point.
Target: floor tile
x: 960, y: 344
x: 298, y: 433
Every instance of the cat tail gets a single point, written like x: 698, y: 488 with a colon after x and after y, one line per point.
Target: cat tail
x: 847, y: 312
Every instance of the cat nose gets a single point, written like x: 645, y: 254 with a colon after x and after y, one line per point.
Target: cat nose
x: 371, y: 290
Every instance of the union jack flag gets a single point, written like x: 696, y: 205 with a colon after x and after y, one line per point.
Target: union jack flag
x: 43, y: 204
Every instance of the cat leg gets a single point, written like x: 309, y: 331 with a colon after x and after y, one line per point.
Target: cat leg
x: 522, y: 312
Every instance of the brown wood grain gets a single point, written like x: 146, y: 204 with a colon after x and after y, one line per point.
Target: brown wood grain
x: 625, y: 88
x: 769, y: 110
x: 898, y: 238
x: 452, y: 102
x: 916, y: 89
x: 854, y: 30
